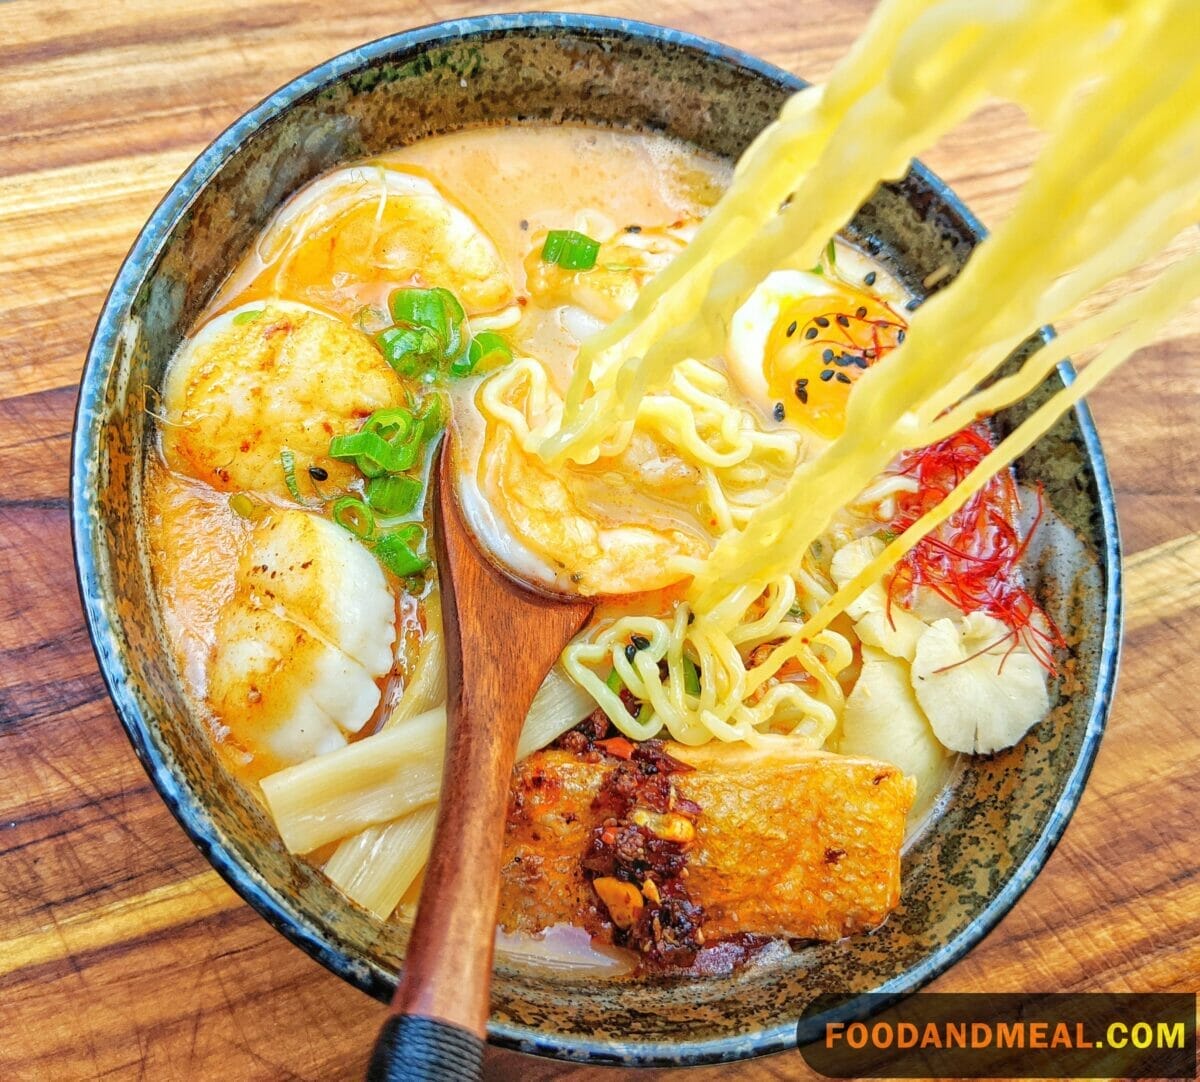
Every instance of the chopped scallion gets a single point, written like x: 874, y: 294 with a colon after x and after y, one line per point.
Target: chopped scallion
x: 289, y: 474
x: 828, y: 258
x: 691, y: 677
x: 411, y: 351
x: 248, y: 316
x: 570, y: 249
x: 390, y: 424
x: 372, y: 454
x: 397, y: 552
x: 432, y: 416
x: 352, y: 514
x: 393, y: 495
x: 487, y: 351
x: 616, y: 685
x: 436, y: 310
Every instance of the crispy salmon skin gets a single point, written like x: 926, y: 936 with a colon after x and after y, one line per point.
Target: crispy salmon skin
x: 772, y: 842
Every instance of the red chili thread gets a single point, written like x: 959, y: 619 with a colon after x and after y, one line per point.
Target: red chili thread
x: 972, y: 559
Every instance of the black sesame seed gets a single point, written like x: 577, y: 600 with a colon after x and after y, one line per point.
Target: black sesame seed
x: 802, y: 391
x: 827, y: 356
x: 860, y: 313
x: 862, y: 362
x: 843, y: 321
x: 630, y: 652
x: 899, y: 337
x: 913, y: 305
x: 318, y: 473
x: 779, y: 413
x: 844, y: 360
x: 842, y: 377
x: 791, y: 328
x: 633, y: 229
x: 639, y: 642
x: 821, y: 321
x: 524, y: 223
x: 870, y: 278
x: 874, y: 245
x: 826, y: 375
x: 811, y: 332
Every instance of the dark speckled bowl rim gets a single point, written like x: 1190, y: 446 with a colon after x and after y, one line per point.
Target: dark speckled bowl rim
x: 183, y: 803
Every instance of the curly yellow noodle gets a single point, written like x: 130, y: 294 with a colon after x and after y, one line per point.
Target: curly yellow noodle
x: 1114, y: 84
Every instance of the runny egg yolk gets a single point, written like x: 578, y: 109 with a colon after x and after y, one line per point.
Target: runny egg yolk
x: 818, y: 349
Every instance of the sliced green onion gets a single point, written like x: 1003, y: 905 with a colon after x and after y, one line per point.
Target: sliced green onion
x: 432, y: 416
x: 411, y: 351
x: 289, y: 474
x: 487, y: 349
x: 436, y: 310
x: 248, y: 316
x: 616, y: 685
x: 691, y: 676
x: 372, y: 454
x: 393, y: 495
x: 571, y: 250
x: 352, y: 514
x: 391, y: 424
x: 396, y: 551
x: 828, y: 258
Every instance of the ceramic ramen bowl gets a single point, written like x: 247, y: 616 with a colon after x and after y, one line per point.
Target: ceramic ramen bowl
x: 1000, y: 819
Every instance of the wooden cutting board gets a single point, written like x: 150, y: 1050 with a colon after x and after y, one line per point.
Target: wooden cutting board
x: 121, y: 954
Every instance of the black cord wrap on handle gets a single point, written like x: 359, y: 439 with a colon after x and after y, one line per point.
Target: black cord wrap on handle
x: 414, y: 1049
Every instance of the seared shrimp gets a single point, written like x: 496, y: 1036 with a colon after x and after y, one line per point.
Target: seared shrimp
x: 262, y: 379
x: 575, y: 542
x: 303, y: 641
x: 335, y: 242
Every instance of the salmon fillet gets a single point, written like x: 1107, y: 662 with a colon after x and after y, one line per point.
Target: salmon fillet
x: 783, y: 843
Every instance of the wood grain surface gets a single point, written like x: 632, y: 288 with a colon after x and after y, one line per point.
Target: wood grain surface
x: 121, y: 954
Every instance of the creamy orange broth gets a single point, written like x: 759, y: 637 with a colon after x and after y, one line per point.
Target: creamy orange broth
x: 516, y: 183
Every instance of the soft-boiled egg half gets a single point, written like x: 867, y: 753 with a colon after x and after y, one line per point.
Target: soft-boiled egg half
x: 803, y: 340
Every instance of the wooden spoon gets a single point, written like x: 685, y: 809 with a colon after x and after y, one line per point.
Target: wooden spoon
x: 502, y: 637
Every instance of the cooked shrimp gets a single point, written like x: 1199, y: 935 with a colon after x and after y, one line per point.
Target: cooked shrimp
x: 301, y: 645
x: 348, y: 239
x: 626, y: 262
x: 258, y: 380
x: 597, y: 554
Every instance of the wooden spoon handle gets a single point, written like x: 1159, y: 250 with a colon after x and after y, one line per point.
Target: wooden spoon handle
x: 448, y: 966
x: 501, y: 640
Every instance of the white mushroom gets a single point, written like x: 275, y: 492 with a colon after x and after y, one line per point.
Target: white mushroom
x: 980, y: 691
